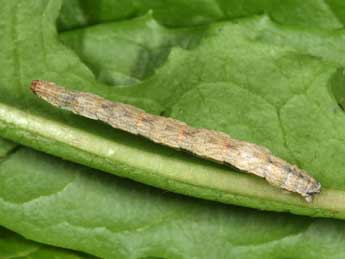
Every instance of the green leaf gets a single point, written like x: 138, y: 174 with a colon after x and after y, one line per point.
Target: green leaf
x: 176, y: 13
x: 288, y: 107
x: 124, y: 53
x: 76, y: 13
x: 75, y: 207
x: 15, y: 246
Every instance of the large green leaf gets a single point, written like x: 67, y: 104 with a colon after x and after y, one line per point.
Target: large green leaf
x: 15, y: 246
x: 63, y: 204
x: 288, y: 107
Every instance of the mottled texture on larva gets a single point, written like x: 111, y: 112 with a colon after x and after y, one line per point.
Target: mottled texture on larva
x: 209, y: 144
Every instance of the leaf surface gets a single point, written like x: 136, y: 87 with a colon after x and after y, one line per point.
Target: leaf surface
x: 175, y: 13
x: 111, y: 217
x: 131, y: 50
x: 15, y: 246
x: 6, y: 147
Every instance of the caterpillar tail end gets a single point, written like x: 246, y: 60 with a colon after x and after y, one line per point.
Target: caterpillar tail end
x: 308, y: 198
x: 310, y: 194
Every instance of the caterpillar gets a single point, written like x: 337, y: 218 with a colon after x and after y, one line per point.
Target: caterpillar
x: 209, y: 144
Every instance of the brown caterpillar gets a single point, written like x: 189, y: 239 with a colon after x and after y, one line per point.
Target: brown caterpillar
x: 209, y: 144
